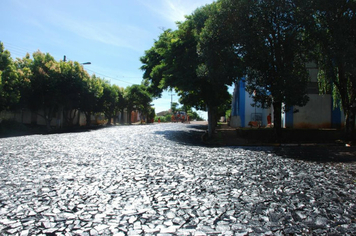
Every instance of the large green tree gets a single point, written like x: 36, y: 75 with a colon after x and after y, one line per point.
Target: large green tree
x: 269, y: 36
x: 72, y: 75
x: 10, y: 81
x: 194, y: 62
x: 50, y: 88
x: 120, y: 101
x: 137, y: 98
x: 108, y: 100
x: 334, y: 32
x: 90, y: 95
x: 24, y: 72
x: 45, y: 86
x: 220, y: 63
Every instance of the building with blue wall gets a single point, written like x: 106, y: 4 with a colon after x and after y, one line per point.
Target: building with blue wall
x: 243, y: 110
x: 317, y: 113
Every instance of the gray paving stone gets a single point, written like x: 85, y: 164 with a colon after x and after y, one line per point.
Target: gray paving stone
x: 145, y: 180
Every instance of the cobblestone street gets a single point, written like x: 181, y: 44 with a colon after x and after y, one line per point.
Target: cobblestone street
x: 157, y: 180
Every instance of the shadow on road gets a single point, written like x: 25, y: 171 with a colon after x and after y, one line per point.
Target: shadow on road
x: 320, y: 154
x: 192, y: 136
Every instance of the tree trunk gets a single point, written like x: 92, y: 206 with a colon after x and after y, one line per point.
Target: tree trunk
x: 129, y: 116
x: 47, y: 115
x: 277, y: 112
x: 349, y: 125
x: 109, y: 120
x: 352, y: 126
x: 59, y: 118
x: 48, y: 124
x: 122, y: 117
x: 211, y: 122
x: 78, y: 123
x: 87, y: 117
x: 68, y: 117
x: 48, y: 118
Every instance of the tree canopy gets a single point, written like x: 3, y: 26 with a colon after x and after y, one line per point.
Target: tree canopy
x: 334, y: 35
x: 50, y: 88
x: 265, y: 43
x: 137, y: 97
x: 10, y: 81
x: 182, y: 60
x: 269, y: 38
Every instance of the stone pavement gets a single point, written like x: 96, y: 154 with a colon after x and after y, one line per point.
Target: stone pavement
x: 149, y: 180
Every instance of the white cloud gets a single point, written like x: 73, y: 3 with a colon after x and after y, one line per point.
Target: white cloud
x: 125, y: 36
x: 174, y: 10
x: 105, y: 30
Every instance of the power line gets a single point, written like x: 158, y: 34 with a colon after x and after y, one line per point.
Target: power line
x: 18, y: 51
x: 110, y: 77
x: 21, y: 52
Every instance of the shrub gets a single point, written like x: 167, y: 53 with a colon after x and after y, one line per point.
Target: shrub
x: 11, y: 126
x: 168, y: 118
x: 162, y: 118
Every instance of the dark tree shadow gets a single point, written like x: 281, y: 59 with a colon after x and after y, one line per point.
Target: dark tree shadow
x: 192, y: 136
x: 320, y: 154
x: 313, y: 153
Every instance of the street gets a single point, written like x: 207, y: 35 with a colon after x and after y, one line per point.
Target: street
x: 159, y: 180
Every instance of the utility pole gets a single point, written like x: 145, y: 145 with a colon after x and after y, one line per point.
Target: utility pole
x: 85, y: 63
x: 172, y: 100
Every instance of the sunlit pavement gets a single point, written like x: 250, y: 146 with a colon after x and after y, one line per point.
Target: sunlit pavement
x: 157, y: 179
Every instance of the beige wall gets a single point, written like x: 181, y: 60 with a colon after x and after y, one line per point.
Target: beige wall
x: 316, y: 114
x: 19, y: 116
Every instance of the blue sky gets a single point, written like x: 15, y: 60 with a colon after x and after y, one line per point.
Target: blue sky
x: 111, y: 34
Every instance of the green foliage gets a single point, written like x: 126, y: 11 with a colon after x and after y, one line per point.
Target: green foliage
x: 109, y: 100
x: 137, y: 97
x: 334, y: 35
x: 90, y: 94
x: 45, y: 93
x: 48, y: 88
x: 10, y: 82
x: 151, y: 114
x: 166, y: 118
x: 24, y: 72
x: 193, y: 63
x: 193, y: 115
x: 161, y: 118
x: 263, y: 40
x: 174, y: 106
x: 228, y: 114
x: 270, y: 40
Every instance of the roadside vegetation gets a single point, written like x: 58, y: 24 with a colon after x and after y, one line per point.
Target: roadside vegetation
x: 265, y: 43
x: 167, y: 115
x: 47, y: 87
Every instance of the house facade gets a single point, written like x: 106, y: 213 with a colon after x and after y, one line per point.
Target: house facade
x: 243, y: 111
x: 317, y: 113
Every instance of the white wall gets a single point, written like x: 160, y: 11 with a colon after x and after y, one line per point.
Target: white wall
x: 316, y: 114
x: 249, y: 110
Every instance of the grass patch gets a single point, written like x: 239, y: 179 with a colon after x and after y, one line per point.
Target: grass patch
x: 292, y: 135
